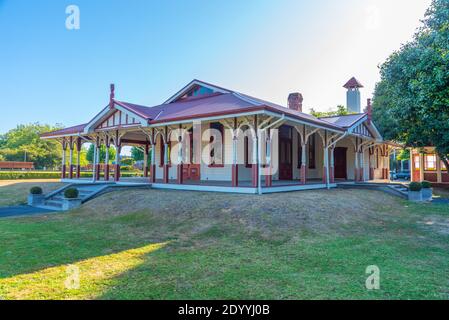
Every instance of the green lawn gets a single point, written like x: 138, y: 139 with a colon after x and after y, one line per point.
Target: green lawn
x: 153, y: 244
x: 441, y: 192
x: 14, y: 192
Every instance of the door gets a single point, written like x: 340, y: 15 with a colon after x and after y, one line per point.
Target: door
x: 285, y: 153
x: 191, y: 171
x: 340, y: 167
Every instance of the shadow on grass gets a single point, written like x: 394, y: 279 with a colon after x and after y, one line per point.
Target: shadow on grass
x: 84, y: 279
x: 34, y: 243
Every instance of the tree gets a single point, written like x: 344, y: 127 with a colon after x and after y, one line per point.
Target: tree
x: 90, y: 153
x: 24, y: 143
x: 411, y: 102
x: 136, y: 153
x: 83, y: 157
x: 341, y: 111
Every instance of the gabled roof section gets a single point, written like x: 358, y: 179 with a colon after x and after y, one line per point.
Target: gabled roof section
x: 356, y: 124
x: 209, y: 89
x: 124, y: 112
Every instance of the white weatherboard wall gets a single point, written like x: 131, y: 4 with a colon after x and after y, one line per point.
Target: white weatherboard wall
x: 366, y: 165
x: 245, y: 174
x: 217, y: 173
x: 172, y: 172
x: 207, y: 172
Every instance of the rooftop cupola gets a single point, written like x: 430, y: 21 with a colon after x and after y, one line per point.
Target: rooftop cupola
x: 353, y: 100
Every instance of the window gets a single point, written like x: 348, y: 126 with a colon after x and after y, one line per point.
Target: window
x: 377, y: 158
x: 197, y: 91
x: 190, y: 158
x: 430, y: 162
x: 248, y: 155
x: 216, y: 156
x: 285, y: 132
x: 442, y: 166
x: 312, y: 164
x: 162, y: 153
x: 405, y: 165
x: 299, y: 151
x: 416, y: 161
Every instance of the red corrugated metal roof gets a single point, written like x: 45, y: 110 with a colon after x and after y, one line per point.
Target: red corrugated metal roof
x: 207, y: 106
x: 353, y: 83
x: 345, y: 121
x: 65, y: 131
x: 225, y: 103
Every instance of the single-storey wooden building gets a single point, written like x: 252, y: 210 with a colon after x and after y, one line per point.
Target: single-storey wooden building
x: 427, y: 165
x: 209, y: 138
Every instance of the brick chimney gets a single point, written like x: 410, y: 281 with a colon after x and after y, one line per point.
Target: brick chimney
x: 112, y: 96
x: 369, y: 111
x: 295, y: 101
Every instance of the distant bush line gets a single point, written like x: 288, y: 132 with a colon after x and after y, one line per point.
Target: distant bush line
x: 16, y: 175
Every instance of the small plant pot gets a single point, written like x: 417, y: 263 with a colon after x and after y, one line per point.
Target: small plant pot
x: 36, y: 199
x: 415, y: 196
x: 427, y: 194
x: 69, y: 204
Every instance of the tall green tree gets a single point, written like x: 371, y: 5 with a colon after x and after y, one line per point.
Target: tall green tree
x: 341, y: 111
x: 24, y: 143
x: 411, y: 102
x: 90, y: 154
x: 137, y: 154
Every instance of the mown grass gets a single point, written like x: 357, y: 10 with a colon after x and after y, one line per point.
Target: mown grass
x: 14, y: 192
x: 441, y: 192
x: 152, y: 244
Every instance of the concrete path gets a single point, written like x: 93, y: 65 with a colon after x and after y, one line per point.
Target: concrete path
x: 441, y: 200
x: 21, y: 211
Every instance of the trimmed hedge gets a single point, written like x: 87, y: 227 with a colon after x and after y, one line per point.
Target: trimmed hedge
x: 16, y: 175
x: 36, y: 190
x: 71, y: 193
x: 415, y: 186
x: 426, y: 184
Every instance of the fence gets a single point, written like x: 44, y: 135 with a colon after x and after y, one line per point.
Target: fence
x: 15, y: 165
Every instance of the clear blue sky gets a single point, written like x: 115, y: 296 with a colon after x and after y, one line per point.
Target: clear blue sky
x: 150, y: 49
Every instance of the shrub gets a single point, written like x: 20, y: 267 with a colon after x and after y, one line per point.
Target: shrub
x: 14, y: 175
x: 415, y: 186
x: 128, y: 162
x: 71, y: 193
x: 426, y: 184
x: 36, y: 190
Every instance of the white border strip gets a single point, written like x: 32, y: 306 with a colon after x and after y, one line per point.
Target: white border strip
x: 191, y: 187
x: 297, y: 188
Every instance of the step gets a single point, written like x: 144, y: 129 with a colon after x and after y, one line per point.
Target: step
x: 54, y: 203
x: 50, y: 208
x: 80, y: 192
